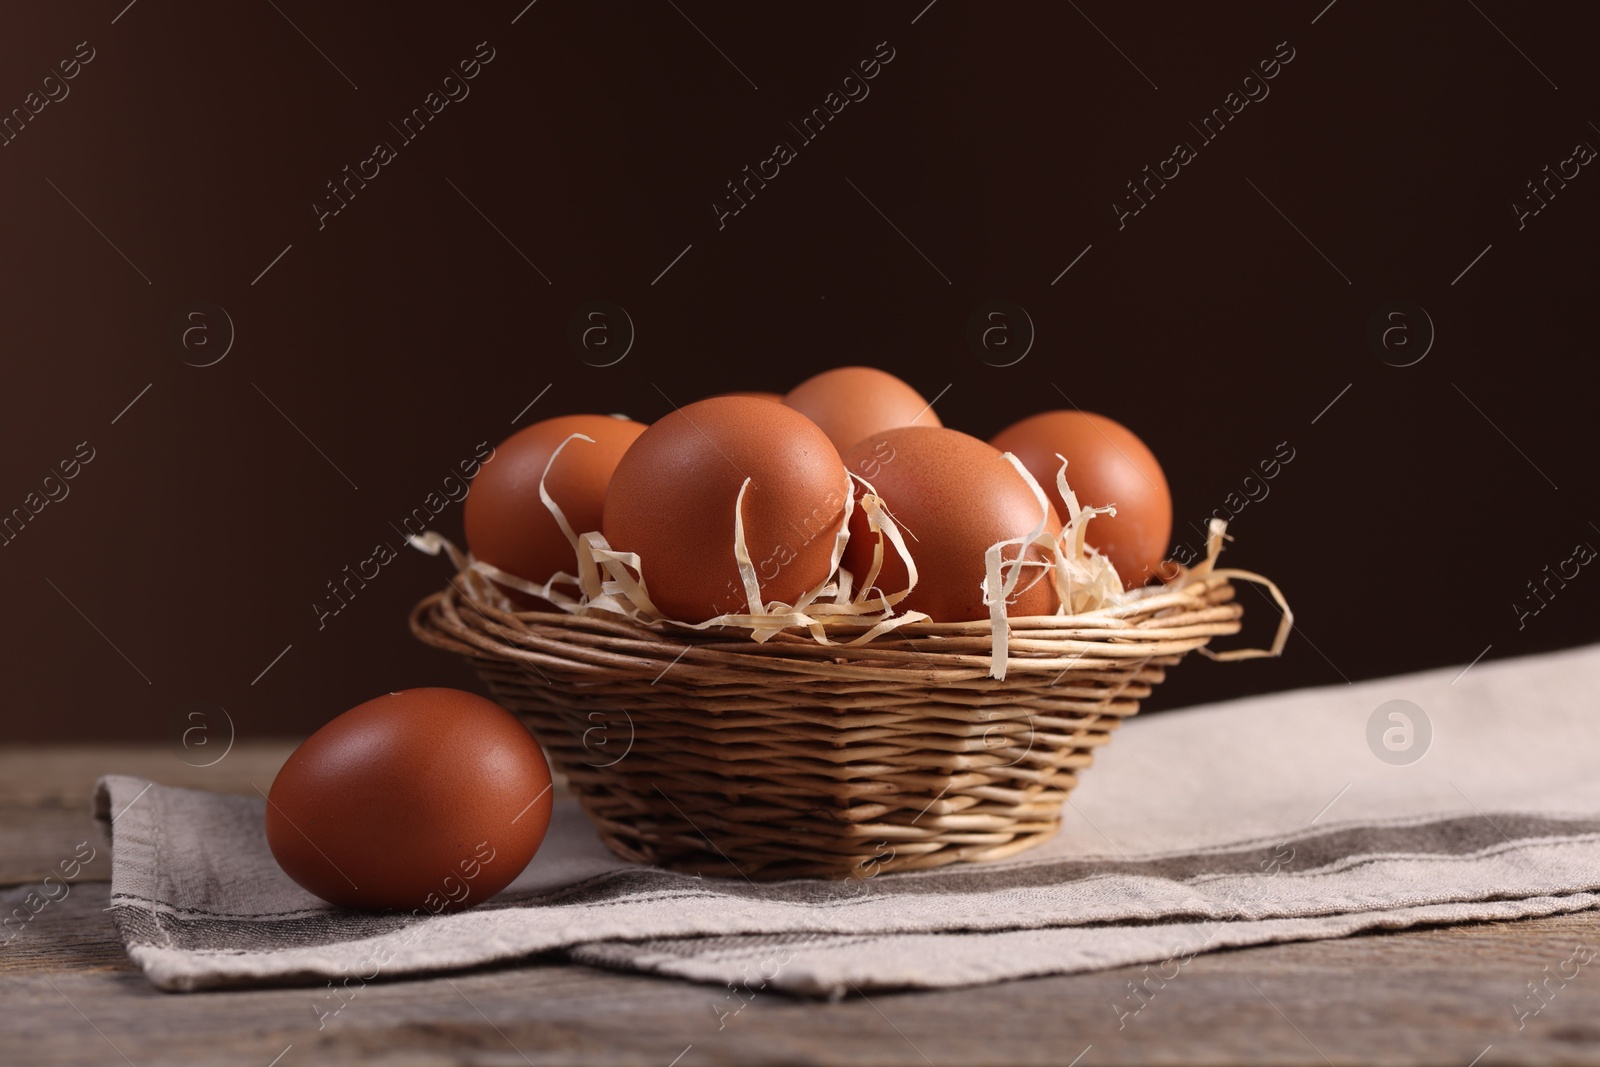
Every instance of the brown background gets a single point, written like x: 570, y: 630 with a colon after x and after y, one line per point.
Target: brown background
x: 408, y: 330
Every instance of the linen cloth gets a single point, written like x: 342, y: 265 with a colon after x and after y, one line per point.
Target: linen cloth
x: 1272, y: 818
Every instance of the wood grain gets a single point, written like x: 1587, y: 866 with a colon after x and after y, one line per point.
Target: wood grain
x: 45, y: 792
x: 68, y: 995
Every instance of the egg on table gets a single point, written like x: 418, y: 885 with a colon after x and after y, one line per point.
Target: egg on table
x: 1106, y: 465
x: 429, y: 799
x: 953, y: 496
x: 672, y: 500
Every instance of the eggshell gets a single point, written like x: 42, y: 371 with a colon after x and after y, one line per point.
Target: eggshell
x: 953, y: 496
x: 430, y: 799
x: 759, y: 394
x: 1106, y: 464
x: 673, y: 496
x: 507, y: 525
x: 851, y: 403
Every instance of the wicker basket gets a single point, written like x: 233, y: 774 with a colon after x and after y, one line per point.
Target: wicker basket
x: 711, y: 754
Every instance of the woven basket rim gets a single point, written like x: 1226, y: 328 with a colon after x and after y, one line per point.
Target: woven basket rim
x: 1168, y: 622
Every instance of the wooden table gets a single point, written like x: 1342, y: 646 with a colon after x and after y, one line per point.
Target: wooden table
x: 68, y: 994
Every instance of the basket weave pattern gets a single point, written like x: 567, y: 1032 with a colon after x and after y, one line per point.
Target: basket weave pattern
x: 709, y: 753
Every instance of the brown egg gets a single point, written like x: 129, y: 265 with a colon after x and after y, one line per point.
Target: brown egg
x: 672, y: 501
x: 1106, y: 464
x: 776, y: 398
x: 952, y: 496
x: 508, y: 525
x: 852, y: 403
x: 429, y: 799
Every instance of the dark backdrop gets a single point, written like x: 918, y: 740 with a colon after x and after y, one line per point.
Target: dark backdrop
x: 376, y: 352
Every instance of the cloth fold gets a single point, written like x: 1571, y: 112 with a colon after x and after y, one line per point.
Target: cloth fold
x: 1275, y: 818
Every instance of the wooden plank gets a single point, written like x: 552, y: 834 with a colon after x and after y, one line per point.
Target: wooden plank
x: 34, y: 842
x: 45, y: 791
x: 33, y: 773
x: 1429, y: 996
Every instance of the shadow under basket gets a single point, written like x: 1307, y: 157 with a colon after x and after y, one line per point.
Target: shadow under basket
x: 708, y: 753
